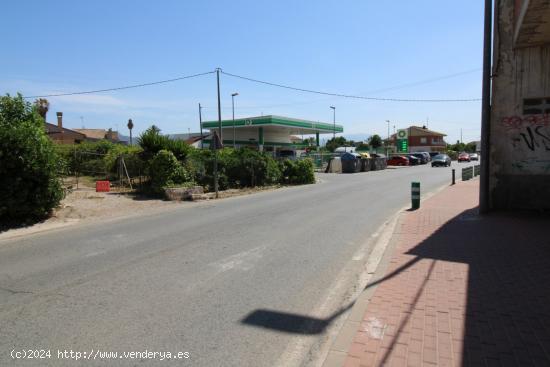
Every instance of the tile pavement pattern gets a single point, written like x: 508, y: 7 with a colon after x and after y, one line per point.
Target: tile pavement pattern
x: 460, y: 289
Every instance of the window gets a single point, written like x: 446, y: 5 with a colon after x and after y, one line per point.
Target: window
x: 536, y: 106
x: 423, y: 140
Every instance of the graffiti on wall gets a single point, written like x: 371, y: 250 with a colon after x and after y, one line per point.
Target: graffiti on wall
x: 532, y: 131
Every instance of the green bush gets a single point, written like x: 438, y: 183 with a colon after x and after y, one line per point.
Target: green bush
x: 152, y: 142
x: 29, y: 185
x: 298, y: 172
x: 165, y: 170
x: 200, y: 163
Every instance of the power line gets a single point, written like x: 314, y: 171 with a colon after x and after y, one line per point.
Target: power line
x: 121, y: 88
x: 425, y: 81
x: 348, y: 95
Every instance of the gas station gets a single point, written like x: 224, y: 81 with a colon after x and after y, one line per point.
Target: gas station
x: 269, y: 133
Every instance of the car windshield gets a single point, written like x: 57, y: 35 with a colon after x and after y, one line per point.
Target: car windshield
x: 440, y: 156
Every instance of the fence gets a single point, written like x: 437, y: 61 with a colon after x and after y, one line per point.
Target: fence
x: 83, y: 168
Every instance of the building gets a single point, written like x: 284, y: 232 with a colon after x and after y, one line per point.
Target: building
x: 421, y: 139
x: 519, y: 128
x: 61, y: 135
x: 100, y: 134
x: 270, y: 133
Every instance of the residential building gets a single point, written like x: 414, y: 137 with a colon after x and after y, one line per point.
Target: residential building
x: 100, y: 134
x: 519, y: 138
x: 62, y: 135
x: 421, y: 139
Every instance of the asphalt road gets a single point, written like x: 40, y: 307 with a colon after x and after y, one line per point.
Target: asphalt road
x: 227, y: 281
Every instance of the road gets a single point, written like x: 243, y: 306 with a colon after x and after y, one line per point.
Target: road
x: 227, y: 281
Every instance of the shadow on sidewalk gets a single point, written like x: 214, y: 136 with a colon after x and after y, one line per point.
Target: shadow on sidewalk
x: 507, y: 313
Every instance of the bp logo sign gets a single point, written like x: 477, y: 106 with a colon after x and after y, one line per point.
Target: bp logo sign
x: 402, y: 134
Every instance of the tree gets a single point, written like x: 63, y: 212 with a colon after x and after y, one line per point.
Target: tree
x: 42, y: 106
x: 375, y: 141
x: 29, y: 185
x: 334, y: 143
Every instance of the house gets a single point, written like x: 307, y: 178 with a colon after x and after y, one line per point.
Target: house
x: 421, y: 139
x: 62, y: 135
x: 100, y: 134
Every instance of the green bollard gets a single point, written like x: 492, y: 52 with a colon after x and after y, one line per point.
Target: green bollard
x: 415, y: 195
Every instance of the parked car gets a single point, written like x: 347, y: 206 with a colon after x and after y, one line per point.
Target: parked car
x: 421, y: 157
x: 464, y: 157
x: 427, y: 155
x: 474, y: 157
x: 441, y: 160
x: 398, y: 160
x: 413, y: 160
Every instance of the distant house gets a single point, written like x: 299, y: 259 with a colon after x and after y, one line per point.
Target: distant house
x: 62, y: 135
x: 100, y: 134
x: 421, y: 139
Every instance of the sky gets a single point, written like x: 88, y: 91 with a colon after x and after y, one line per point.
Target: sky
x: 427, y: 49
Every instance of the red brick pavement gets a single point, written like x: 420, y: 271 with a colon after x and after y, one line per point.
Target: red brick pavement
x: 460, y: 289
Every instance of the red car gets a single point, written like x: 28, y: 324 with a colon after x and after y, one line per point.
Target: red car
x: 398, y: 160
x: 463, y: 157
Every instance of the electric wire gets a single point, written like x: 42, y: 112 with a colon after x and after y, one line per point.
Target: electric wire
x: 348, y: 95
x: 121, y: 88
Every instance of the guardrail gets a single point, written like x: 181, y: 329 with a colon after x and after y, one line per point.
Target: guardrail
x: 470, y: 172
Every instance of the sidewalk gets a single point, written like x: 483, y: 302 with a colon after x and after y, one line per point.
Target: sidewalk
x: 459, y: 290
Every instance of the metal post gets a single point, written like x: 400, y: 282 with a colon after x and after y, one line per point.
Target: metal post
x: 415, y: 195
x: 200, y: 124
x: 486, y: 111
x: 453, y: 181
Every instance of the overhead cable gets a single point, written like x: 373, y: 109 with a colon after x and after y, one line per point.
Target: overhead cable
x: 349, y: 95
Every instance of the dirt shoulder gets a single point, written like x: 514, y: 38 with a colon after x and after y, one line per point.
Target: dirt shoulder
x: 86, y: 205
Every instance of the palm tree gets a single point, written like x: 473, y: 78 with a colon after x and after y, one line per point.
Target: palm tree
x: 42, y: 106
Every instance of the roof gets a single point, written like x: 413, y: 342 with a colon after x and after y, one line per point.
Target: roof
x: 422, y: 130
x: 304, y: 126
x: 54, y: 129
x: 97, y: 133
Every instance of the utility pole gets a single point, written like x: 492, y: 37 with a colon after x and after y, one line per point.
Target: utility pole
x: 220, y: 137
x: 200, y: 124
x: 460, y: 135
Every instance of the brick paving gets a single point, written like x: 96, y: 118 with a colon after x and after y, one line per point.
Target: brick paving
x: 460, y: 289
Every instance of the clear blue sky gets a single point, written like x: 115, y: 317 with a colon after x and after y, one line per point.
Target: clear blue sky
x: 353, y: 47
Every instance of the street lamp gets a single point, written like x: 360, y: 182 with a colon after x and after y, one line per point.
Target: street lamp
x: 334, y: 122
x: 388, y: 141
x: 233, y: 95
